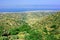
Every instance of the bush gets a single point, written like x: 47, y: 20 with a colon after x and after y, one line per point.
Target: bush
x: 1, y: 30
x: 4, y: 38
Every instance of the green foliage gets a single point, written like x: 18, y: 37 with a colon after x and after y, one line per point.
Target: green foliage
x: 16, y: 27
x: 4, y: 38
x: 1, y: 30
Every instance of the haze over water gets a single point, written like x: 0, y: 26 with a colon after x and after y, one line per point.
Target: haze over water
x: 28, y: 5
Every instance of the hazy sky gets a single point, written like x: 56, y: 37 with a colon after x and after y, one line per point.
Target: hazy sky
x: 29, y: 3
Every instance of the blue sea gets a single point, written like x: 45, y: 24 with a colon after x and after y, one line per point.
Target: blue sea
x: 22, y: 10
x: 29, y: 8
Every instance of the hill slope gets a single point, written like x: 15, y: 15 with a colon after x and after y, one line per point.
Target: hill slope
x: 30, y: 26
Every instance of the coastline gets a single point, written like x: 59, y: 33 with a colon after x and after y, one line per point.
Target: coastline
x: 34, y: 11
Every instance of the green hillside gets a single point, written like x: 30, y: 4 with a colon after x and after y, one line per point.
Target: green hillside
x: 30, y: 26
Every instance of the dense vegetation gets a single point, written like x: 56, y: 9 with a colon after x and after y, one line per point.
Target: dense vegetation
x: 30, y: 26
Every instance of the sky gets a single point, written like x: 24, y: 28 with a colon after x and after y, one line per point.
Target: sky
x: 9, y: 4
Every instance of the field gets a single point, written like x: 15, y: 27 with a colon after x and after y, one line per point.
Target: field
x: 30, y: 26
